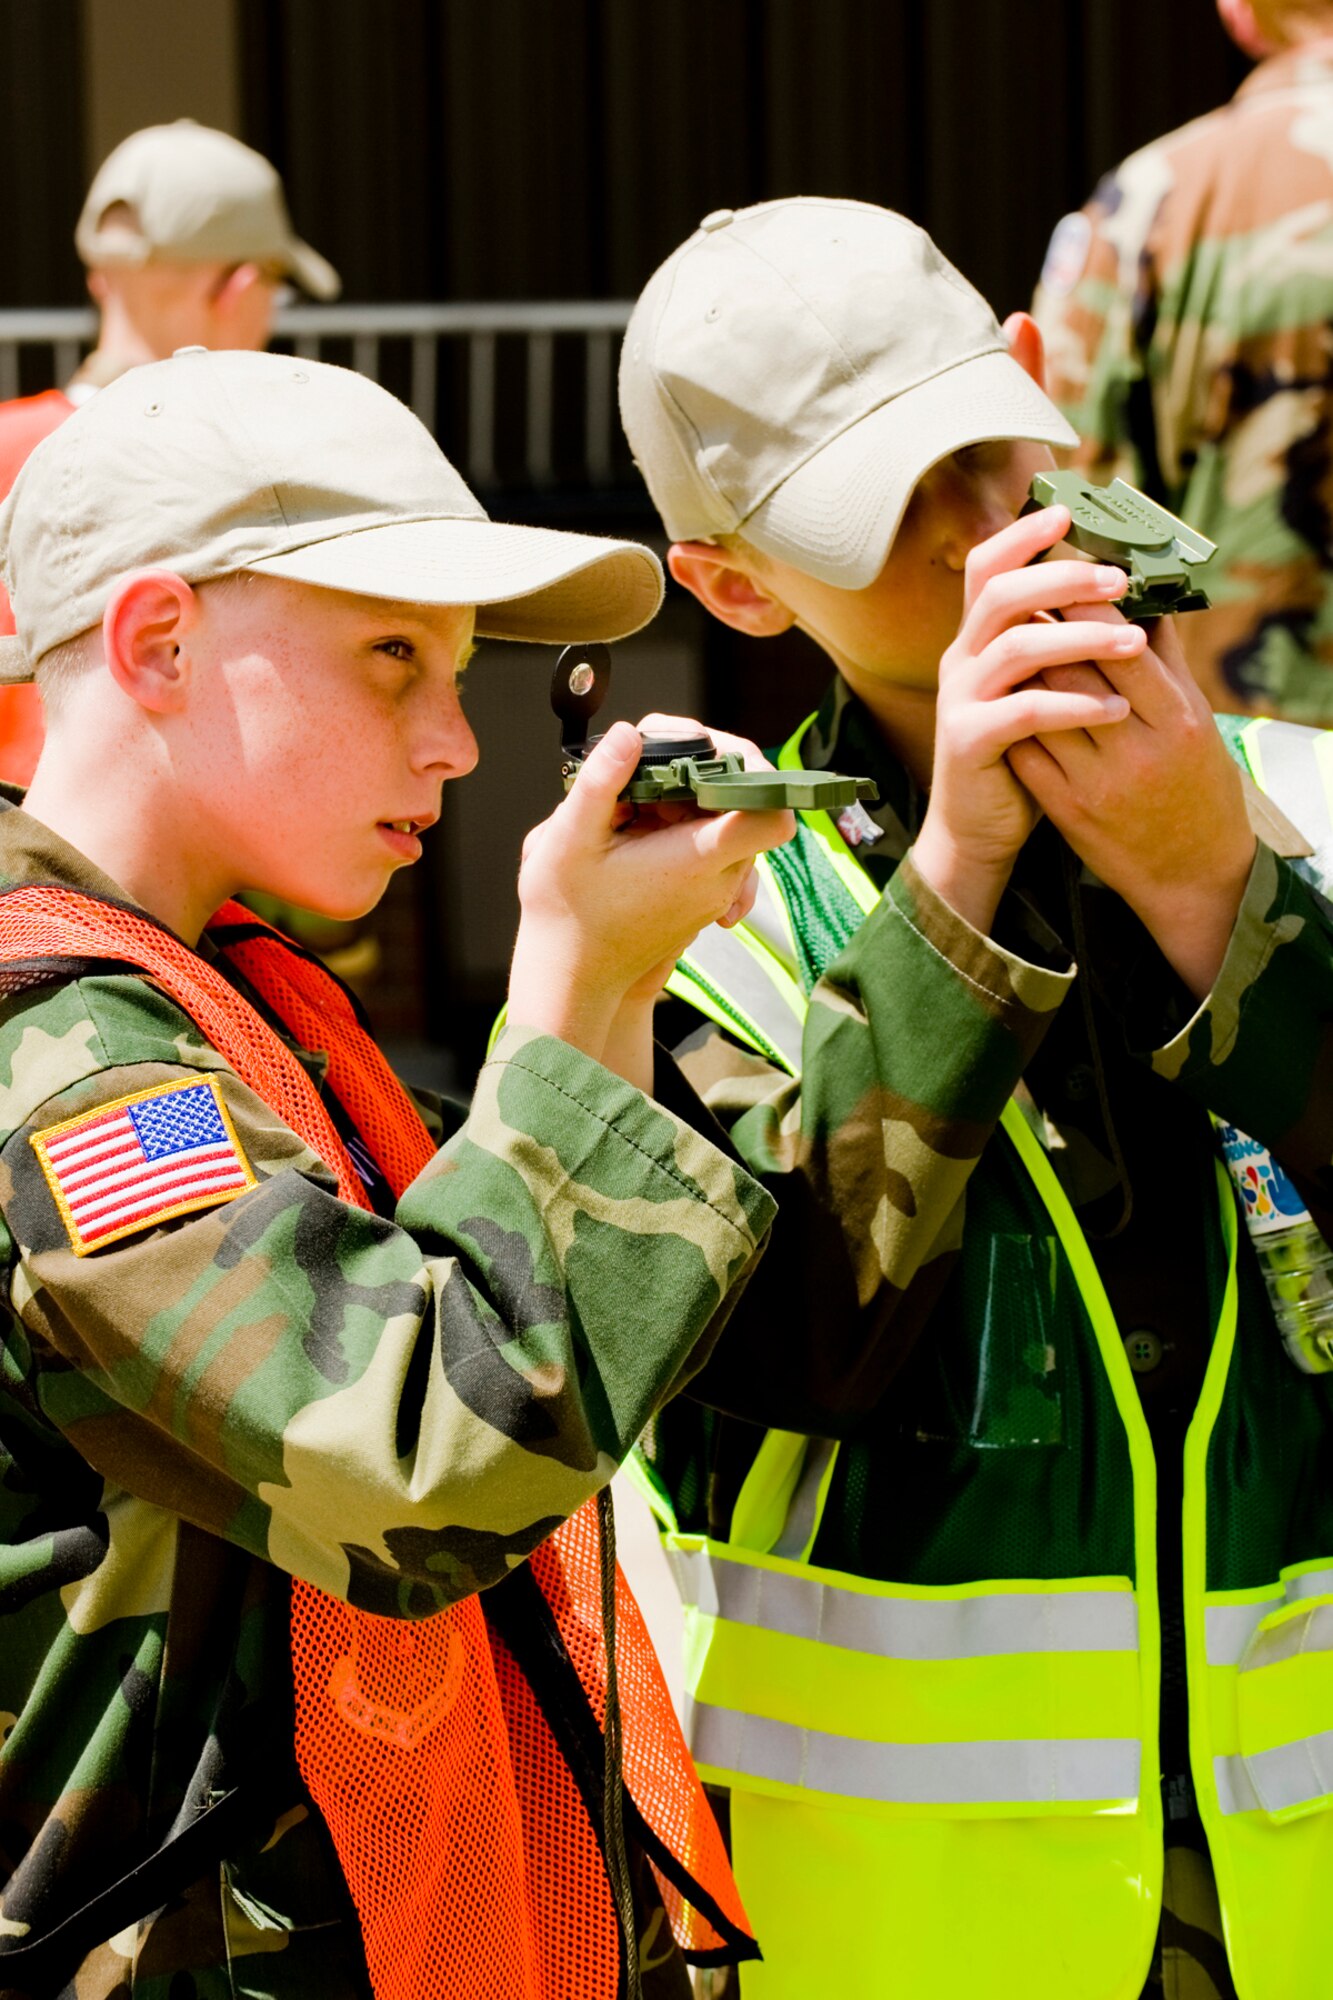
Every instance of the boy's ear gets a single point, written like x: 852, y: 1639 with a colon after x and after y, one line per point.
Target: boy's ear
x: 146, y: 620
x: 1027, y: 346
x: 235, y: 285
x: 729, y: 592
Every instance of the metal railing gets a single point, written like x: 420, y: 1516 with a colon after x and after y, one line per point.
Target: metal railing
x: 427, y: 330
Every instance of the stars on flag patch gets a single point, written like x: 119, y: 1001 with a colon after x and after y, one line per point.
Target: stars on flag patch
x: 141, y: 1160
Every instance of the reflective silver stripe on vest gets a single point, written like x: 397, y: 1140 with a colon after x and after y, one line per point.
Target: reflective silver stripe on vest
x: 726, y: 965
x: 1033, y: 1771
x: 1294, y: 1774
x: 902, y: 1628
x: 1230, y: 1627
x: 1292, y: 778
x: 1312, y: 1632
x: 1310, y: 1583
x: 1290, y: 1774
x: 799, y: 1527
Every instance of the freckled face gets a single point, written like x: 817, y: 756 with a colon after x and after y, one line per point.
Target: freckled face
x: 896, y: 629
x: 325, y: 727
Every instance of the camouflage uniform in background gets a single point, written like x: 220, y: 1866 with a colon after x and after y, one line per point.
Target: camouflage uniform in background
x: 397, y: 1405
x: 1188, y: 315
x: 959, y: 1023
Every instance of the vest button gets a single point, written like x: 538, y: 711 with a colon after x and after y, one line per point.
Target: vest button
x: 1144, y: 1350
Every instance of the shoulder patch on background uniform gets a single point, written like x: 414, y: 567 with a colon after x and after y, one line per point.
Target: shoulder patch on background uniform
x: 1067, y: 253
x: 141, y: 1160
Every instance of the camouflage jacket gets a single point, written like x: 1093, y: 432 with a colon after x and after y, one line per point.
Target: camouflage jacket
x: 1186, y: 311
x: 397, y: 1407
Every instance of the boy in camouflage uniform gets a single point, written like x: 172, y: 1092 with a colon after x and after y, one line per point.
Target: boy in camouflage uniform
x: 839, y: 437
x: 1185, y: 311
x: 249, y: 586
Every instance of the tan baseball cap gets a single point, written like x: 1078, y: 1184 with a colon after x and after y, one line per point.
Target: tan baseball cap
x: 794, y: 368
x: 199, y: 196
x: 215, y: 462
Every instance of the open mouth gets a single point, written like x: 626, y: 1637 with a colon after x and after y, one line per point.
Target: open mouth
x: 403, y: 835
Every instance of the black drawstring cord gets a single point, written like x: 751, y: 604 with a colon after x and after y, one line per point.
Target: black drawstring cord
x: 617, y: 1861
x: 1073, y: 896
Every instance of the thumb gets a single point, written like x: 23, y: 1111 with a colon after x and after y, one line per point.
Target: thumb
x: 1164, y: 640
x: 604, y: 775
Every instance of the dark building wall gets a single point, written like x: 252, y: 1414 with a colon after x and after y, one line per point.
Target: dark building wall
x: 41, y: 152
x: 560, y: 148
x: 449, y: 149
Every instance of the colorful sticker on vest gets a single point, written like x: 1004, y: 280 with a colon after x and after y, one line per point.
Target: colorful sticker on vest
x: 142, y: 1160
x: 1269, y: 1199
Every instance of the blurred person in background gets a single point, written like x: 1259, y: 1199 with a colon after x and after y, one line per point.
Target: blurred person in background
x: 1187, y: 313
x: 187, y: 242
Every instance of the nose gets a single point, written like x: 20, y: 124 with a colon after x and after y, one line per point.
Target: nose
x: 447, y: 746
x: 466, y: 752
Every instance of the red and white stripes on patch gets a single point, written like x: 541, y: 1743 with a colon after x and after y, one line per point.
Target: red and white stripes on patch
x: 129, y: 1164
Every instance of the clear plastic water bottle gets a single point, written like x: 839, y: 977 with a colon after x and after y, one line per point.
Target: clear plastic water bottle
x: 1296, y: 1262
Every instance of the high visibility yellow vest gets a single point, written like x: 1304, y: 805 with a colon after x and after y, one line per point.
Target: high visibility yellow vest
x: 954, y: 1791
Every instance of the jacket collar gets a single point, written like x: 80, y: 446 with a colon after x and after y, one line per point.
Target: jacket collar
x: 1310, y: 63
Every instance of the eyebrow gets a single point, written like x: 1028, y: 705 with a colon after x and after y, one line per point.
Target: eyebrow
x: 382, y: 609
x: 385, y: 611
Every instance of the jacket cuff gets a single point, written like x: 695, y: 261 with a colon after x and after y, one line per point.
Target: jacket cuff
x: 1014, y: 984
x: 1274, y: 979
x: 604, y: 1132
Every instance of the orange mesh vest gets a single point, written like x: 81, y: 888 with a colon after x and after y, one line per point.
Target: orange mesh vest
x: 23, y: 425
x: 457, y: 1816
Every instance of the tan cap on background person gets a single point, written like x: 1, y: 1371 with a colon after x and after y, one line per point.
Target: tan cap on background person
x: 198, y: 196
x: 794, y: 368
x: 215, y: 462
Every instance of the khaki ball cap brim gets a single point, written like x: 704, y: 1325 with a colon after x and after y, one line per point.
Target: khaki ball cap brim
x: 537, y: 584
x: 835, y: 517
x: 540, y: 585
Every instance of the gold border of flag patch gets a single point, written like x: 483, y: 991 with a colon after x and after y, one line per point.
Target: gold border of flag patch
x: 38, y: 1142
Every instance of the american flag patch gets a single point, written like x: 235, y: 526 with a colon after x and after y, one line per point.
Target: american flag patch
x: 142, y: 1160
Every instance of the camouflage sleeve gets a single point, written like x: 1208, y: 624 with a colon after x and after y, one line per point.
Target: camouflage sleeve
x: 1185, y: 314
x: 395, y: 1410
x: 1259, y: 1050
x: 1095, y: 295
x: 916, y: 1038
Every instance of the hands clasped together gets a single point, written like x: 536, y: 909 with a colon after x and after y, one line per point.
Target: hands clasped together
x: 1086, y: 719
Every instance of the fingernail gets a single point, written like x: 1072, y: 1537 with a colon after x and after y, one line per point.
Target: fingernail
x: 1129, y: 641
x: 1113, y: 580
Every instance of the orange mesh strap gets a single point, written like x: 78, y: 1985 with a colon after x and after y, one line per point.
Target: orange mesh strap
x: 45, y: 923
x: 472, y: 1865
x: 455, y: 1819
x: 570, y: 1915
x: 321, y: 1015
x: 677, y: 1827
